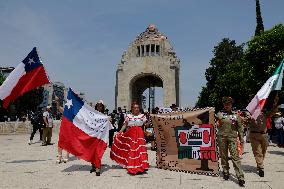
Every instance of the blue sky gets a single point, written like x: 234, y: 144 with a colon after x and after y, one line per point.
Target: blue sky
x: 81, y: 42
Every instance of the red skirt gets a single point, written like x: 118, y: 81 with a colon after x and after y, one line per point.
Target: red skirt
x: 129, y: 150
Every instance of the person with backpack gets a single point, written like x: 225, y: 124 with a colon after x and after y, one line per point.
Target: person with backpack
x: 37, y: 123
x: 279, y: 125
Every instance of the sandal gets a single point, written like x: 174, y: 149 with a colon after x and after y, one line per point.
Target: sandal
x: 98, y: 172
x: 65, y: 160
x: 59, y: 160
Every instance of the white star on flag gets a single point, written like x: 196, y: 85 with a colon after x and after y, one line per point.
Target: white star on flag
x: 31, y: 61
x: 69, y: 103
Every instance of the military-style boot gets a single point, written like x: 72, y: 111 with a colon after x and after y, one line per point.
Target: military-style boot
x: 225, y: 176
x: 261, y: 173
x: 241, y: 182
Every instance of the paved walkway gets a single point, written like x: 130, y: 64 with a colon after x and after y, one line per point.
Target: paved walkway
x: 23, y: 166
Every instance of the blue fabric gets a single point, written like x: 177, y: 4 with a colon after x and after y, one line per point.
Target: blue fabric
x: 32, y: 61
x: 77, y: 103
x: 280, y: 136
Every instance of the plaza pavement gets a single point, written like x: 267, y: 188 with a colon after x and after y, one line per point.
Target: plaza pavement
x: 23, y: 166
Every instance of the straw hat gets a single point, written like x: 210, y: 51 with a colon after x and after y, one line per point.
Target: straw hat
x: 100, y: 102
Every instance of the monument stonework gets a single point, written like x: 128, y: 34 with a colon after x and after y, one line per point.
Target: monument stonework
x: 150, y: 61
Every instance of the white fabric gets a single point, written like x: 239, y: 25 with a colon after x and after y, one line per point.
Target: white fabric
x: 254, y: 107
x: 93, y: 123
x: 130, y: 146
x: 138, y: 120
x: 279, y: 122
x: 11, y: 81
x: 265, y: 90
x: 278, y: 83
x: 49, y: 118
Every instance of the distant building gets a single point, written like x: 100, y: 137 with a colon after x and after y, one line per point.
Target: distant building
x: 6, y: 70
x: 50, y: 91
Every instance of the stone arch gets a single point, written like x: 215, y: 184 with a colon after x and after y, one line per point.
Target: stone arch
x: 139, y: 83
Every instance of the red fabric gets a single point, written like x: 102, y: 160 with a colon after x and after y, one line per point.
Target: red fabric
x: 240, y: 149
x: 262, y: 103
x: 78, y: 143
x: 268, y: 122
x: 129, y: 150
x: 208, y: 152
x: 27, y: 82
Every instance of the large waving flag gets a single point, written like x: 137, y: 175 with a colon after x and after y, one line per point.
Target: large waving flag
x: 84, y: 132
x: 27, y: 76
x: 273, y: 83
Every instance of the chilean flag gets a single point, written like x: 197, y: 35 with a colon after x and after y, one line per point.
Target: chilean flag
x: 84, y: 132
x: 27, y: 76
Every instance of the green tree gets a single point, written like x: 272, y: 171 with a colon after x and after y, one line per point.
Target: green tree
x: 240, y: 73
x: 264, y: 53
x: 2, y: 78
x: 28, y: 101
x: 225, y: 75
x: 259, y: 22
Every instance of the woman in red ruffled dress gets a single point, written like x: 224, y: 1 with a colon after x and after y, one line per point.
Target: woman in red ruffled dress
x: 129, y: 147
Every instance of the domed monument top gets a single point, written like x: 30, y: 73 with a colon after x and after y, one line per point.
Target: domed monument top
x: 151, y: 33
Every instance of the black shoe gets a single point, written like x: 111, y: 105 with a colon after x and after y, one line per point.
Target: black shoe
x: 98, y: 173
x: 43, y: 144
x: 242, y: 183
x: 225, y: 176
x: 261, y: 173
x: 93, y: 170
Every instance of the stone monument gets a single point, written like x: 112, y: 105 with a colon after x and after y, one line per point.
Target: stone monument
x: 150, y: 61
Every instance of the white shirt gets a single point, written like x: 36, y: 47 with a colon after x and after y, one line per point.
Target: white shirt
x: 138, y: 120
x: 49, y: 118
x: 279, y: 122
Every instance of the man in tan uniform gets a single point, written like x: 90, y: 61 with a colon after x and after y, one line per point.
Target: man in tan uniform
x: 47, y: 130
x: 229, y: 129
x: 259, y: 138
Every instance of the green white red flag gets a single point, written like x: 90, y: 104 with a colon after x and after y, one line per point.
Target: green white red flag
x: 273, y: 83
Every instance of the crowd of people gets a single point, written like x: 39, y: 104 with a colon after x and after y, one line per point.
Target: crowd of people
x: 134, y: 130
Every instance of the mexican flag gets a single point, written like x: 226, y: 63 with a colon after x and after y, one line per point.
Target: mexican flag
x: 259, y: 100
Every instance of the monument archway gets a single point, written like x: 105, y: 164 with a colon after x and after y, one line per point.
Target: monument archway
x: 150, y: 61
x: 139, y: 84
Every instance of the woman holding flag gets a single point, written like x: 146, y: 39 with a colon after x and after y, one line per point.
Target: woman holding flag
x: 129, y: 147
x: 100, y: 107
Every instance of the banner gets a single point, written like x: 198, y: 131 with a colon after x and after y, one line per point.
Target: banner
x: 186, y: 141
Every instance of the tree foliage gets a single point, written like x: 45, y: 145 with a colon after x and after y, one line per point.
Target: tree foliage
x: 224, y: 74
x: 264, y: 54
x: 259, y: 22
x: 2, y: 78
x: 28, y: 101
x: 240, y: 73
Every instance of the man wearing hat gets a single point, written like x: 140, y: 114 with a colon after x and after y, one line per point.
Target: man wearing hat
x: 48, y: 124
x: 229, y: 129
x: 174, y: 107
x: 259, y: 138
